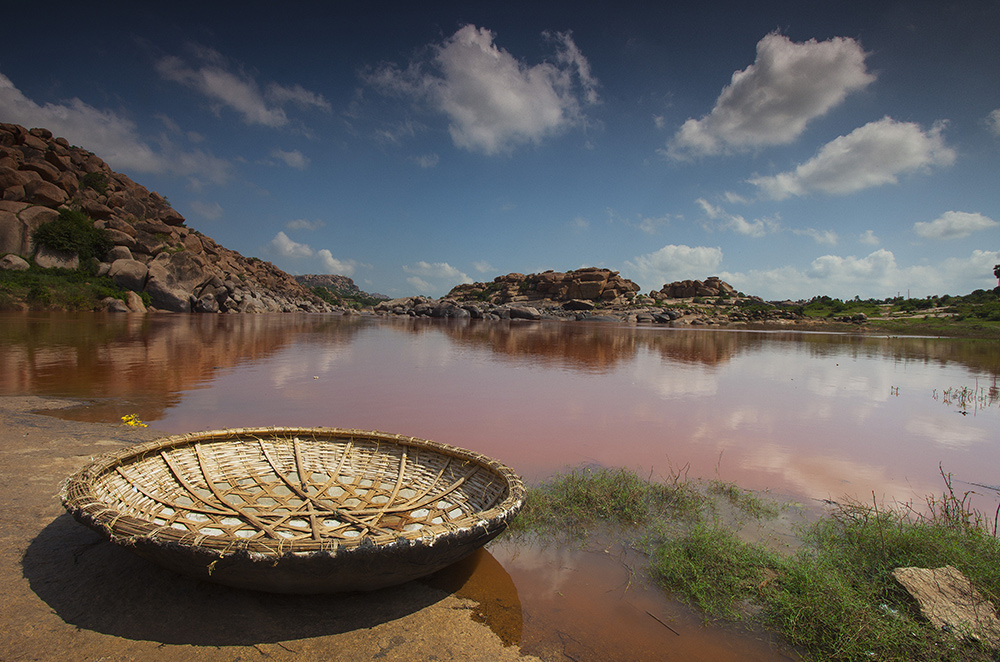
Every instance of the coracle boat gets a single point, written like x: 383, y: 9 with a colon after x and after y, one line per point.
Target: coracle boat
x: 296, y: 510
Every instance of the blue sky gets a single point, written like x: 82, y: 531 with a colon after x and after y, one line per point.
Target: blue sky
x: 805, y: 148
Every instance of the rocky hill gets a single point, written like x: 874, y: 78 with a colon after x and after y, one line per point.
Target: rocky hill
x: 144, y: 244
x: 590, y: 283
x: 329, y: 281
x: 593, y: 294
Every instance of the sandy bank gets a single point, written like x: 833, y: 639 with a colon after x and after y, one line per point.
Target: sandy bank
x: 68, y: 594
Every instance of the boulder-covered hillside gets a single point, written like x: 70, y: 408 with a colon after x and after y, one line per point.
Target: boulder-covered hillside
x: 141, y: 242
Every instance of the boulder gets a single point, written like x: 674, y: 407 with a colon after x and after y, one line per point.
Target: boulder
x: 113, y: 305
x: 523, y: 313
x: 948, y: 599
x: 50, y: 259
x: 13, y: 262
x: 119, y: 253
x: 134, y: 302
x: 129, y: 274
x: 173, y: 278
x: 44, y: 193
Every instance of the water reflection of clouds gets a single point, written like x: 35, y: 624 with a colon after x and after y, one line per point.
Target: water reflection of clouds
x: 827, y: 476
x: 674, y: 380
x: 303, y: 362
x: 956, y: 434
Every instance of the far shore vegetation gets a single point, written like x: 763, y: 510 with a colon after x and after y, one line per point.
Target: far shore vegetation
x: 831, y: 598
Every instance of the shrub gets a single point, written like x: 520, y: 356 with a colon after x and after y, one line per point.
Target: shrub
x: 97, y: 181
x: 73, y: 232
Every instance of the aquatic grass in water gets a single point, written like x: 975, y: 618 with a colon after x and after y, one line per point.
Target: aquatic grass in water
x: 834, y: 599
x: 744, y: 500
x: 584, y: 498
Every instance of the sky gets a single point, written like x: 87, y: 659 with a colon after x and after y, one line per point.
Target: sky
x: 797, y: 149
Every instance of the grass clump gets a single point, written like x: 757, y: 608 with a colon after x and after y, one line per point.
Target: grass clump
x: 585, y: 498
x: 836, y: 598
x: 714, y: 569
x: 743, y: 500
x: 63, y: 289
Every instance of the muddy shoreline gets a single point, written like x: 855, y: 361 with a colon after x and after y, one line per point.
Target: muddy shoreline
x: 68, y: 594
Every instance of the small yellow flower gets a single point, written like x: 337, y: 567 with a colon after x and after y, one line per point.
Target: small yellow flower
x: 133, y: 420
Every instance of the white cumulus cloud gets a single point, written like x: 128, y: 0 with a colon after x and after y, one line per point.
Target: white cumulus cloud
x: 756, y: 228
x: 332, y: 265
x: 675, y: 262
x: 323, y: 260
x: 772, y: 100
x: 288, y: 248
x: 114, y: 138
x: 954, y: 225
x: 868, y: 237
x: 434, y: 277
x: 872, y: 155
x: 495, y: 102
x: 993, y: 122
x: 292, y: 159
x: 228, y: 86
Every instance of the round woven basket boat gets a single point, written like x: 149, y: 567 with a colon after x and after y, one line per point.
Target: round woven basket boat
x: 296, y: 510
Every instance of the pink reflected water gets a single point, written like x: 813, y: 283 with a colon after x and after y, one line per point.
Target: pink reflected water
x: 812, y: 416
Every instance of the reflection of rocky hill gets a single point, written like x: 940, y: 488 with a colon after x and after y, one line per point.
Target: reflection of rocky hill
x: 975, y: 354
x: 587, y: 347
x: 594, y: 348
x: 148, y: 358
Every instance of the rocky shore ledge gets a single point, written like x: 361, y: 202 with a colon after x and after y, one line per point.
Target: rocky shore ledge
x: 147, y: 248
x: 595, y: 295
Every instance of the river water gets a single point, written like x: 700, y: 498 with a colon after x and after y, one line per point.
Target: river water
x: 810, y: 416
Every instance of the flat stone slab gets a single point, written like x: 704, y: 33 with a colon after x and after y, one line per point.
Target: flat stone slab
x: 950, y: 602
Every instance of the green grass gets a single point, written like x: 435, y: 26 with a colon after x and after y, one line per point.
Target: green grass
x: 338, y: 297
x: 582, y: 499
x: 61, y: 289
x: 832, y: 599
x: 744, y: 500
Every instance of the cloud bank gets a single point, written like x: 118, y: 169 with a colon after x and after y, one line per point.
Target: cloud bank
x: 493, y: 101
x: 772, y: 100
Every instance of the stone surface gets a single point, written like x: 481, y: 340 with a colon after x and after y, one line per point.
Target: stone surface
x: 12, y: 262
x: 590, y: 283
x: 950, y: 602
x: 128, y: 273
x: 686, y: 289
x: 50, y: 259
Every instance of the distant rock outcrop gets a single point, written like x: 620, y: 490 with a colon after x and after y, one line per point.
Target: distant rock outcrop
x: 589, y: 284
x: 686, y: 289
x: 152, y: 251
x: 330, y: 281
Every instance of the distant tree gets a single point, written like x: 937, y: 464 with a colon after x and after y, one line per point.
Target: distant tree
x: 996, y: 271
